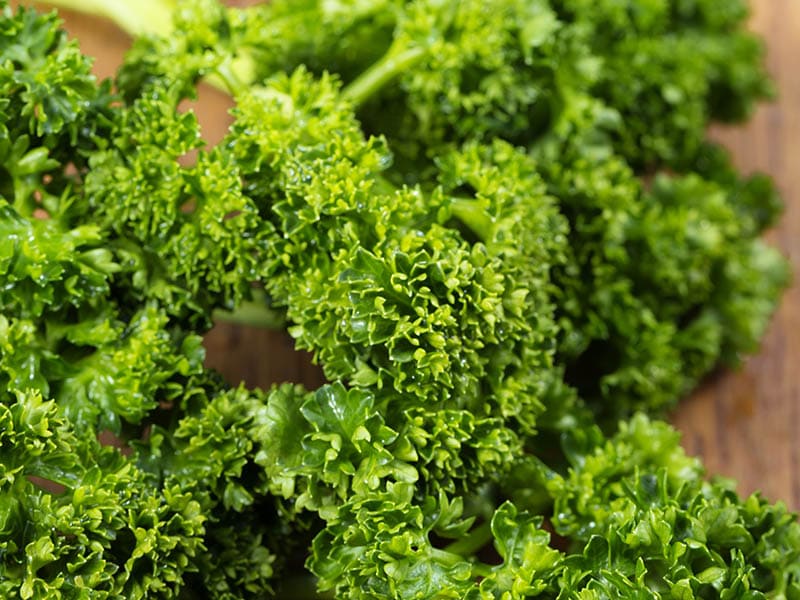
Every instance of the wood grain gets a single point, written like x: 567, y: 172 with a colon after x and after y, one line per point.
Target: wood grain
x: 744, y: 424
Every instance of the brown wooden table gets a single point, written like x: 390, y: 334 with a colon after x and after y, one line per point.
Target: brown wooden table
x: 743, y: 423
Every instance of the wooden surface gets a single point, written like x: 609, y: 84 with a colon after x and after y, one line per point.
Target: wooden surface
x: 743, y: 424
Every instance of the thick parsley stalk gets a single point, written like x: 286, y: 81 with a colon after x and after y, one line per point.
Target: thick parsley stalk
x: 140, y: 18
x: 390, y: 66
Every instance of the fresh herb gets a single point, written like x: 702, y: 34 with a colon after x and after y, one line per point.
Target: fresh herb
x: 498, y: 228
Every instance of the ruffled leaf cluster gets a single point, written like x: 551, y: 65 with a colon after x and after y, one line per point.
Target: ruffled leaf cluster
x: 493, y: 224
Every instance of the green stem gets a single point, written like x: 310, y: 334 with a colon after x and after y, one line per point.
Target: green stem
x: 474, y: 541
x: 233, y: 76
x: 481, y: 570
x: 473, y: 216
x: 254, y: 313
x: 135, y: 18
x: 390, y: 66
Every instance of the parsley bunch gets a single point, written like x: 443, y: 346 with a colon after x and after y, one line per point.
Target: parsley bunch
x: 497, y: 226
